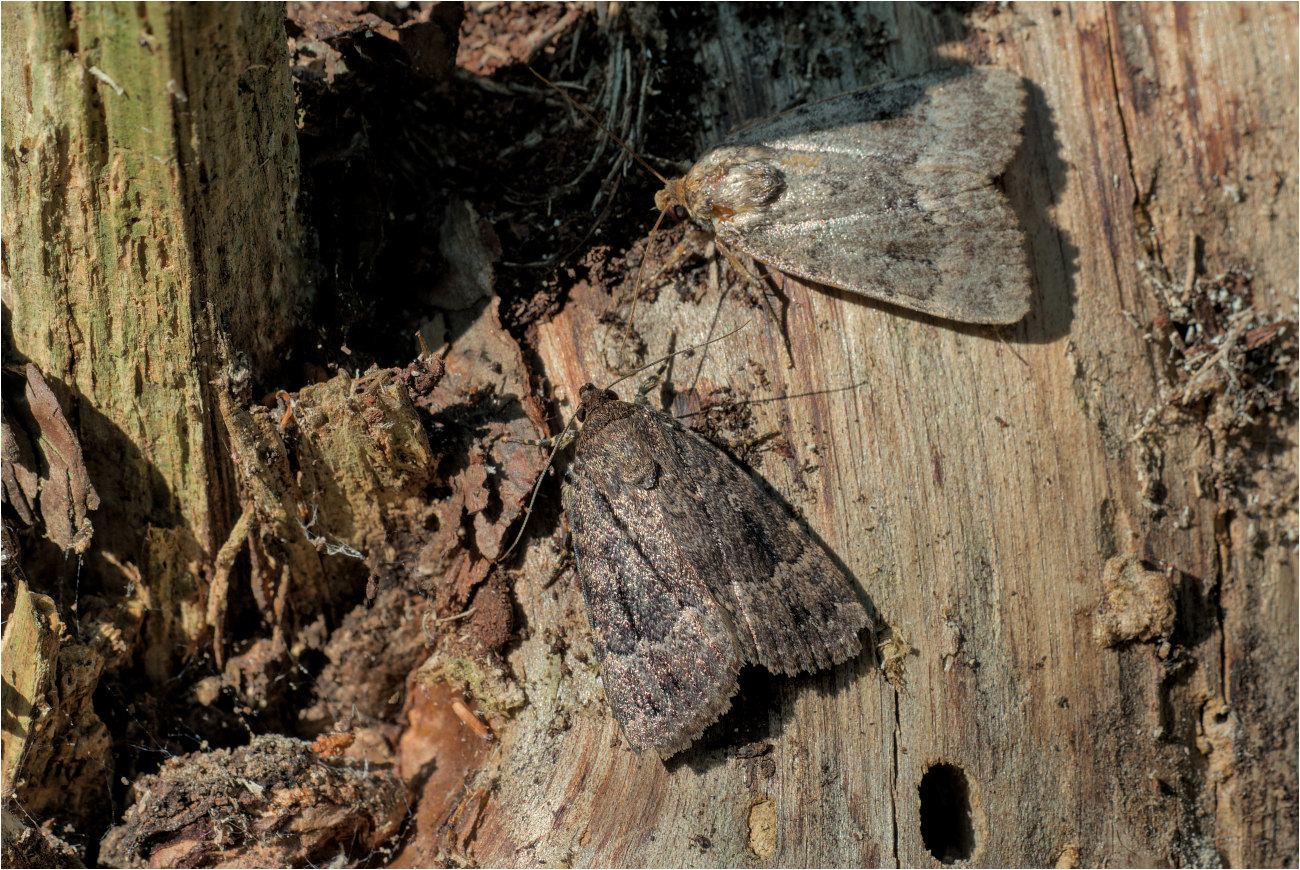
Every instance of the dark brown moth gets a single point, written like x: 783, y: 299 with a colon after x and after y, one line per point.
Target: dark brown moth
x: 886, y: 192
x: 690, y: 571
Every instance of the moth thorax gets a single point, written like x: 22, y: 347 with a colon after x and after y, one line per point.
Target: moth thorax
x: 731, y: 181
x: 597, y: 408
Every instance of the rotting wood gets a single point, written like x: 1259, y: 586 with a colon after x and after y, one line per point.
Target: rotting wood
x: 978, y: 483
x: 150, y: 184
x: 149, y: 181
x: 31, y: 643
x: 276, y: 802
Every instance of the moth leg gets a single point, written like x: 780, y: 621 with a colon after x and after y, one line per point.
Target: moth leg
x: 563, y: 438
x: 689, y: 245
x: 782, y: 321
x: 763, y: 290
x: 646, y: 387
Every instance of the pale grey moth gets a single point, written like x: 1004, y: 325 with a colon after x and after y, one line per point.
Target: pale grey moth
x: 886, y: 192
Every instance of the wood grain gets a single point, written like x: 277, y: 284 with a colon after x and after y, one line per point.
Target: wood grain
x: 975, y: 485
x: 151, y: 182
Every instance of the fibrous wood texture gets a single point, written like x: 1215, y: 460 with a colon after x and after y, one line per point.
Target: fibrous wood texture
x: 150, y: 184
x: 987, y: 490
x: 148, y: 210
x: 1078, y: 533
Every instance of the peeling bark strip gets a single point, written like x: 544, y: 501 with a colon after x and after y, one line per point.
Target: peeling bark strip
x: 46, y: 473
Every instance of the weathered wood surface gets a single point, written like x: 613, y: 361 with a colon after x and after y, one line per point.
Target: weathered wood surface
x: 1007, y: 502
x: 148, y: 210
x: 150, y: 185
x: 978, y: 484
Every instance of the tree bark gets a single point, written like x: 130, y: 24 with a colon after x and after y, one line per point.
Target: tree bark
x: 150, y: 184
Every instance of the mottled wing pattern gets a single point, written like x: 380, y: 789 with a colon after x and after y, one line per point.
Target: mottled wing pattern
x: 889, y: 193
x: 794, y: 609
x: 668, y: 654
x: 689, y: 570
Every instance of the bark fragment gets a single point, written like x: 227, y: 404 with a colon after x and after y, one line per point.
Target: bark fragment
x: 44, y: 471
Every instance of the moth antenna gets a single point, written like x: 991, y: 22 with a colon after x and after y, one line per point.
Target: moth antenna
x: 785, y: 397
x: 537, y: 487
x: 592, y: 119
x: 559, y: 439
x: 636, y: 285
x: 669, y: 356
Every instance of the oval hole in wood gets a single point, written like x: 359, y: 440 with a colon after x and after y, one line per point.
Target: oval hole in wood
x: 947, y: 828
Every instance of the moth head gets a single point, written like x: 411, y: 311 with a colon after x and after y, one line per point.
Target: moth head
x: 672, y: 199
x: 591, y: 397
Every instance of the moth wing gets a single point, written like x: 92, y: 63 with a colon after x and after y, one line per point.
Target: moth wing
x: 962, y: 118
x: 668, y: 654
x: 793, y: 609
x: 889, y: 194
x: 942, y: 241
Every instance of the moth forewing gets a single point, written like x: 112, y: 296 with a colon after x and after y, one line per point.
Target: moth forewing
x: 689, y: 570
x: 886, y: 192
